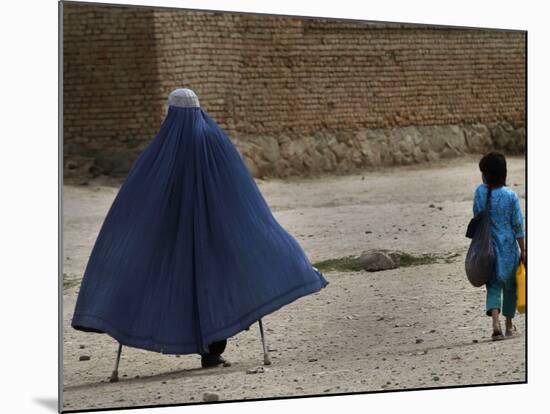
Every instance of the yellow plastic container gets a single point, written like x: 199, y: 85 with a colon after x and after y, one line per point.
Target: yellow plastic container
x: 521, y: 288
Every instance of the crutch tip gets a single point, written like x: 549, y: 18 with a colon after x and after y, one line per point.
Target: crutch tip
x: 114, y: 377
x: 267, y: 360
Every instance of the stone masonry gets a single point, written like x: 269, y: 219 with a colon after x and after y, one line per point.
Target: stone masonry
x: 296, y: 95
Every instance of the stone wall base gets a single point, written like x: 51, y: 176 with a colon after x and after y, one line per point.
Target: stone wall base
x: 341, y: 152
x: 336, y: 152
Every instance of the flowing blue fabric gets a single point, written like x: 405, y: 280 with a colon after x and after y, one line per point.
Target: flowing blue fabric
x: 189, y: 252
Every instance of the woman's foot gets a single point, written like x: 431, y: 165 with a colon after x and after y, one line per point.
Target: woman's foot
x: 209, y: 360
x: 213, y: 358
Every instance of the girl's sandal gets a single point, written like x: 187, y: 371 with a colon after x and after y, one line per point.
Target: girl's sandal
x: 511, y: 332
x: 497, y: 336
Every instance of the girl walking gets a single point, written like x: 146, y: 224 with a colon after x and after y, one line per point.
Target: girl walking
x: 508, y: 234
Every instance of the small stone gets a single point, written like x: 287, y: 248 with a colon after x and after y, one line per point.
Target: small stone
x: 312, y: 360
x: 436, y: 378
x: 368, y: 232
x: 84, y: 358
x: 475, y: 341
x: 210, y: 397
x: 440, y: 208
x: 82, y: 346
x: 257, y: 370
x: 419, y: 341
x: 432, y: 206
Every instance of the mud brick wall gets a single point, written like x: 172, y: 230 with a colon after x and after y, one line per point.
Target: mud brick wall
x: 297, y: 95
x: 110, y: 79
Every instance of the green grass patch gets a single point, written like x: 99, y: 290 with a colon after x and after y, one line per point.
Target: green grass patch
x: 352, y: 264
x: 342, y: 264
x: 406, y: 260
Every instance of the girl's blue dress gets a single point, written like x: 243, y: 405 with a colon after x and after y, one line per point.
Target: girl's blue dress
x: 506, y: 227
x: 189, y: 252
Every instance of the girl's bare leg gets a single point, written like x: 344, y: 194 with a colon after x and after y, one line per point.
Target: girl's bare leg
x: 510, y: 328
x: 497, y: 329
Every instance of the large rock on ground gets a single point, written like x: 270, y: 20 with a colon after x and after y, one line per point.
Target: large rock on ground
x: 375, y: 260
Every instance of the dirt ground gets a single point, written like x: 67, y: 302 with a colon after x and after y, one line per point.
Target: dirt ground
x: 411, y: 327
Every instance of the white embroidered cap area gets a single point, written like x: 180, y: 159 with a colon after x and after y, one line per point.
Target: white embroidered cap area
x: 183, y: 98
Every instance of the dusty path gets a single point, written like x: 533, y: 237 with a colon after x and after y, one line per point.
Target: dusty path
x: 412, y: 327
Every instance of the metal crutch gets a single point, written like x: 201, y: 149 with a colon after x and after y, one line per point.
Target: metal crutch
x: 267, y: 361
x: 114, y: 375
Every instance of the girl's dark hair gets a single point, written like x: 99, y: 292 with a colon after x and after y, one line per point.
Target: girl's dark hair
x: 493, y: 168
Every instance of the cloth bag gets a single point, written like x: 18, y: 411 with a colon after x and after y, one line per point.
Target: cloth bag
x: 480, y: 259
x: 521, y: 285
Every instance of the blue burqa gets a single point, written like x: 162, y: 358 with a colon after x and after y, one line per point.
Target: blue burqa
x: 189, y: 252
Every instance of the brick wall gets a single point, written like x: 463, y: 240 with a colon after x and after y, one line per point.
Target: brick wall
x: 267, y: 76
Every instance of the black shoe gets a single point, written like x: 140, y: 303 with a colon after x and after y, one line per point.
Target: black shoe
x: 209, y: 361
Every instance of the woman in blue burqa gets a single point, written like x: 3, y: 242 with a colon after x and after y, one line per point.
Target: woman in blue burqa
x: 189, y: 253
